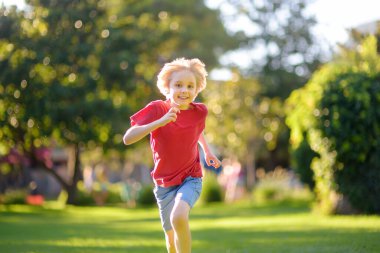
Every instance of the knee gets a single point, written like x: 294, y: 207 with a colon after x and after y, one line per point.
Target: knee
x: 179, y: 219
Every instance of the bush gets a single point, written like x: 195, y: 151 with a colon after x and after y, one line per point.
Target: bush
x: 279, y: 185
x: 145, y: 196
x: 211, y: 190
x: 339, y: 111
x: 114, y: 194
x: 13, y: 197
x: 301, y: 158
x: 95, y: 196
x: 83, y: 197
x: 352, y: 125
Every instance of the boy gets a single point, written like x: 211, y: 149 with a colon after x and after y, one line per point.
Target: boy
x: 176, y: 126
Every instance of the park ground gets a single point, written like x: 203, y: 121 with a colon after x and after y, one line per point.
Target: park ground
x: 242, y: 227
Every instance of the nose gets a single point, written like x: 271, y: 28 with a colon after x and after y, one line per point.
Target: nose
x: 183, y: 89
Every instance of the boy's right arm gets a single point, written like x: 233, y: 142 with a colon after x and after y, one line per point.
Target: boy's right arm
x: 137, y: 132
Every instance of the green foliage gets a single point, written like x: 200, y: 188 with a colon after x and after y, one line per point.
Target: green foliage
x: 352, y: 125
x: 279, y: 186
x: 78, y: 72
x: 72, y: 72
x: 145, y: 197
x: 83, y: 197
x: 13, y: 197
x: 302, y: 157
x: 211, y: 189
x: 281, y: 34
x: 229, y: 104
x: 114, y: 194
x: 285, y: 54
x: 338, y: 111
x: 49, y: 85
x: 244, y: 125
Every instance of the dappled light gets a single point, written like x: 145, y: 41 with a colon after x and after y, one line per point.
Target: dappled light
x: 238, y: 228
x: 282, y: 138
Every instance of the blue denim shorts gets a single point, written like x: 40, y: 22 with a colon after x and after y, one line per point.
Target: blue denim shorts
x: 189, y: 191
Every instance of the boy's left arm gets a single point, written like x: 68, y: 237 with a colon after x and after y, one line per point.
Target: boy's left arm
x: 210, y: 158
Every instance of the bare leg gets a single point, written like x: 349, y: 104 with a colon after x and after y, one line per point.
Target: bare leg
x: 180, y: 222
x: 169, y: 236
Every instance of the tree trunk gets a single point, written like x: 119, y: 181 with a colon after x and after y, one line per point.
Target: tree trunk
x: 75, y: 172
x: 52, y: 172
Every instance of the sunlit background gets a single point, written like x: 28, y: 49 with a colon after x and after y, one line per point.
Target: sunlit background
x: 334, y: 17
x: 292, y: 98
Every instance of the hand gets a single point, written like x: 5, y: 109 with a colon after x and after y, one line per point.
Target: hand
x: 170, y: 116
x: 212, y: 160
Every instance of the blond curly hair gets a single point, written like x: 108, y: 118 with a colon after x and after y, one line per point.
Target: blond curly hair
x: 194, y: 65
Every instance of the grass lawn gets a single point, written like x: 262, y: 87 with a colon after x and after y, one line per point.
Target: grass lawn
x: 216, y: 229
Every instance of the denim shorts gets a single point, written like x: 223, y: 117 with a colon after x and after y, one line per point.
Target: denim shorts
x: 189, y: 191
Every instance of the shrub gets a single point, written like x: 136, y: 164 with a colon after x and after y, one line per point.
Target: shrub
x: 211, y: 190
x: 17, y: 196
x: 301, y: 158
x: 338, y: 110
x: 95, y: 196
x: 145, y: 196
x: 279, y: 185
x: 351, y: 123
x: 114, y: 194
x: 83, y: 197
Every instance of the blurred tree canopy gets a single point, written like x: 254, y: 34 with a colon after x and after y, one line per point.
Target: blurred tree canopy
x: 232, y: 124
x: 277, y: 37
x: 280, y: 42
x: 73, y: 71
x: 243, y: 124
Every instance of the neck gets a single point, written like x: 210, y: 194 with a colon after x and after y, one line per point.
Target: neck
x: 181, y: 107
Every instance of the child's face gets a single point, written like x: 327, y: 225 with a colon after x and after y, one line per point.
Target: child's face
x: 182, y: 89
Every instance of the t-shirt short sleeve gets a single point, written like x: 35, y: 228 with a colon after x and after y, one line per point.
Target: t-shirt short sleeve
x: 146, y: 115
x: 203, y: 108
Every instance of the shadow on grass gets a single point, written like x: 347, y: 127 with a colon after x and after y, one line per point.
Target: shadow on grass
x: 25, y: 248
x: 39, y: 230
x: 286, y: 227
x: 275, y: 240
x: 218, y: 210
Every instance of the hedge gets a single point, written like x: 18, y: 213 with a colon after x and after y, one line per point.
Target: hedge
x: 338, y: 114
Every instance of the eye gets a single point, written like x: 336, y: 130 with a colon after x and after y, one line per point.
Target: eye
x: 178, y: 85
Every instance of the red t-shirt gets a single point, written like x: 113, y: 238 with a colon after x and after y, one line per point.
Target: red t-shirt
x: 175, y: 145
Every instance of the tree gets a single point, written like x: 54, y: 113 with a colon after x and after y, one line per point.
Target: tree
x: 74, y: 77
x: 241, y: 123
x: 280, y: 52
x: 280, y: 43
x: 232, y: 124
x: 54, y: 94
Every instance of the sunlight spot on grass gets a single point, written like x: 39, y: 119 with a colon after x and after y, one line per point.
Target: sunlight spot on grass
x: 96, y: 242
x: 215, y: 229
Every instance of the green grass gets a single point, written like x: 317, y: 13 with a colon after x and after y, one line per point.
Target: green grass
x: 215, y: 229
